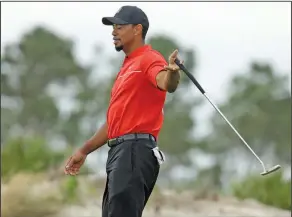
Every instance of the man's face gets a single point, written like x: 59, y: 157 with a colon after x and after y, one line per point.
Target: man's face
x: 123, y: 35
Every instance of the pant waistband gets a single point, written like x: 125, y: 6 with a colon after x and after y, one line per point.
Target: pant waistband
x: 128, y: 137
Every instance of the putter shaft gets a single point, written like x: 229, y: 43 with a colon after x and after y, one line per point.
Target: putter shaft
x: 194, y: 80
x: 244, y: 142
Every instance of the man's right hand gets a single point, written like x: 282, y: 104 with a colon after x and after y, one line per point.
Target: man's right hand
x: 74, y: 163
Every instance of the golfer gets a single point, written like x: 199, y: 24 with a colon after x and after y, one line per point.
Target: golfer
x: 134, y: 117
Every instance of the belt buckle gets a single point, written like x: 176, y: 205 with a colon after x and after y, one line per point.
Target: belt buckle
x: 120, y: 140
x: 109, y: 142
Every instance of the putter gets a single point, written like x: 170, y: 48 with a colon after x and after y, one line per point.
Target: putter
x: 194, y: 80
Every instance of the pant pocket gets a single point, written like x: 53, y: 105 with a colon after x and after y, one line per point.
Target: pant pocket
x: 159, y: 155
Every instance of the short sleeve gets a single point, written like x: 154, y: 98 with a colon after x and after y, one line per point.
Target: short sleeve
x: 152, y: 63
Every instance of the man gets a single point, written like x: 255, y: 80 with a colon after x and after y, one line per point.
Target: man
x: 134, y: 117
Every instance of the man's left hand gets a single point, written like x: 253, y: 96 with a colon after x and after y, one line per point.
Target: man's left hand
x: 172, y: 66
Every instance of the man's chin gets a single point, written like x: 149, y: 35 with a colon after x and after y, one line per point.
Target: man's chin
x: 119, y: 48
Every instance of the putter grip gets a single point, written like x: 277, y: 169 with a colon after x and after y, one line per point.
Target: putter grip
x: 183, y: 68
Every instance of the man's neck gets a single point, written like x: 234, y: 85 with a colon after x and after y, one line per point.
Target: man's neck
x: 132, y: 48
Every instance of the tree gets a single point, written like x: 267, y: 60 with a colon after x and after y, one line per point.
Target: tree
x: 29, y: 70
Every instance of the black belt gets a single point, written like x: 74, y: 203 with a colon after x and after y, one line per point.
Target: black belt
x: 128, y: 137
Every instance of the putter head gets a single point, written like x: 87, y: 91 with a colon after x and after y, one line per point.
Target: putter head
x: 273, y: 169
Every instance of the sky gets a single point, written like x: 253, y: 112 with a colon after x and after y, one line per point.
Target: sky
x: 225, y: 35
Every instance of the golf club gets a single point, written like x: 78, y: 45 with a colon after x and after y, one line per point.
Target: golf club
x: 183, y: 68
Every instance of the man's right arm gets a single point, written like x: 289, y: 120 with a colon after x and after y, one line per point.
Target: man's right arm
x: 96, y: 141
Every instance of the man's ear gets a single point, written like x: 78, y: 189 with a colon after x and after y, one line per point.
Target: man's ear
x: 138, y: 29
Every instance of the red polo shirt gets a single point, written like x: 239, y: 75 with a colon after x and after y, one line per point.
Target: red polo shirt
x: 136, y: 104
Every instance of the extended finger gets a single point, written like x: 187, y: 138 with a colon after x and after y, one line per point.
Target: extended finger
x: 173, y: 56
x: 68, y: 165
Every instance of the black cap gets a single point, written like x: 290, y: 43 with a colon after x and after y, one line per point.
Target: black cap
x: 128, y: 15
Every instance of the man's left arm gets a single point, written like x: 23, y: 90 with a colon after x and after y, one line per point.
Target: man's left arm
x: 168, y: 80
x: 162, y: 75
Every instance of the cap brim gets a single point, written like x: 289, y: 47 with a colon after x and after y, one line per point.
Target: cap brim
x: 113, y: 20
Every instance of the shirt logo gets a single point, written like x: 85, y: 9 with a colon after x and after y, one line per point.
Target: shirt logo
x: 122, y: 78
x: 128, y: 72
